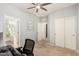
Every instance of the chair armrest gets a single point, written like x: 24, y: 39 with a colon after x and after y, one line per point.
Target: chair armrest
x: 20, y: 49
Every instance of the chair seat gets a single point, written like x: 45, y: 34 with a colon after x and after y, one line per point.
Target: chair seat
x: 27, y: 51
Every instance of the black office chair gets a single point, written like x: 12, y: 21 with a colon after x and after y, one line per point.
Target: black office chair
x: 28, y: 47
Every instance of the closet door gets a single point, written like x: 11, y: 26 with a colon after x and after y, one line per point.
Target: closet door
x: 59, y: 32
x: 70, y: 33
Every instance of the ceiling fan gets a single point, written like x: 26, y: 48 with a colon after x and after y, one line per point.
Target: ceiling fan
x: 38, y: 6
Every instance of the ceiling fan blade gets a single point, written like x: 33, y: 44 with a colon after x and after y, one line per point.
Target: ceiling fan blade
x: 30, y: 7
x: 45, y: 4
x: 36, y: 10
x: 43, y: 8
x: 33, y: 3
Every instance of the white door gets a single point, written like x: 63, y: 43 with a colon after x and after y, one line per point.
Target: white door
x: 70, y: 33
x: 59, y: 32
x: 44, y: 31
x: 41, y: 31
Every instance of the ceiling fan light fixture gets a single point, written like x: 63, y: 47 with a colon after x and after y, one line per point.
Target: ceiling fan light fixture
x: 38, y: 7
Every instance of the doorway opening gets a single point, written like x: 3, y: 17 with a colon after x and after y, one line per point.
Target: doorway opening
x: 42, y: 31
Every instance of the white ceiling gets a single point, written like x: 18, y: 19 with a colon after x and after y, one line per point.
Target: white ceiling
x: 50, y: 8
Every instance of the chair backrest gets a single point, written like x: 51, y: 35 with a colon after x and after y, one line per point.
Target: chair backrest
x: 29, y: 45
